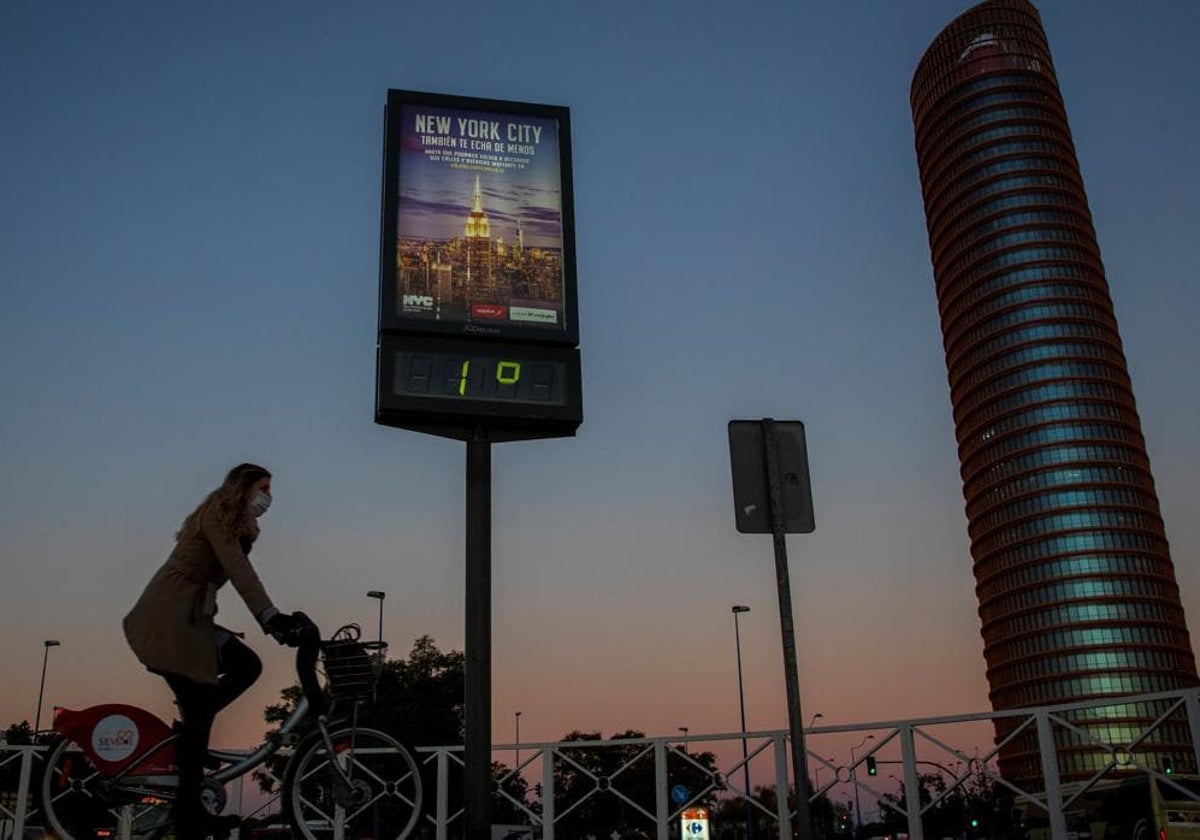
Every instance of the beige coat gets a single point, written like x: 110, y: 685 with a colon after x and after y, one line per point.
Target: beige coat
x: 171, y: 627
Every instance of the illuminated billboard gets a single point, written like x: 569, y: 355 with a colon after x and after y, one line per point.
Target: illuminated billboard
x: 478, y: 213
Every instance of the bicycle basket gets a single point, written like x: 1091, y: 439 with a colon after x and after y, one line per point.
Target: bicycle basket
x: 352, y: 667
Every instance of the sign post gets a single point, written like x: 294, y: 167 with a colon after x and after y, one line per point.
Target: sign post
x: 770, y: 460
x: 477, y: 684
x: 478, y: 323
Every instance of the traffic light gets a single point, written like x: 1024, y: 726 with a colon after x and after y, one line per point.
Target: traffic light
x: 974, y: 823
x: 1168, y: 766
x: 872, y: 770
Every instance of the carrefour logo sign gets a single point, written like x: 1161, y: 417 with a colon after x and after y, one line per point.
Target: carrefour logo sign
x: 694, y: 824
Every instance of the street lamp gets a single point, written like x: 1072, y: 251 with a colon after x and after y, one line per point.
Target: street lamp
x: 517, y: 720
x: 684, y: 730
x: 380, y: 595
x: 737, y: 635
x: 814, y: 719
x: 37, y: 718
x: 854, y: 779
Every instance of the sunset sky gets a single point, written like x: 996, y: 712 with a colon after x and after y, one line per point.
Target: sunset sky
x: 189, y: 223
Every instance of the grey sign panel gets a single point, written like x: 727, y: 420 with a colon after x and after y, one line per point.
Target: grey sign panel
x: 751, y: 492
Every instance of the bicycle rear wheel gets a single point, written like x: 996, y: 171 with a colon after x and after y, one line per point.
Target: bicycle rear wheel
x: 79, y: 802
x: 382, y: 800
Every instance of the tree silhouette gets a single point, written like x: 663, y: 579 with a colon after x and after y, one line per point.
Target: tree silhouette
x: 979, y: 807
x: 830, y: 819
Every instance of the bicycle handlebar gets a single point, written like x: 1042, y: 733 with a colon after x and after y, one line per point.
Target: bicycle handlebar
x: 308, y: 650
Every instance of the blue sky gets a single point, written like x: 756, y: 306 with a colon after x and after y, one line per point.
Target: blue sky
x: 189, y: 229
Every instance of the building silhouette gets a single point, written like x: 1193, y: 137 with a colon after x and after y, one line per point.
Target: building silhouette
x: 1077, y: 592
x: 478, y: 234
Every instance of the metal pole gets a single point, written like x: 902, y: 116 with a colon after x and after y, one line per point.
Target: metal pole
x: 662, y: 809
x: 27, y: 756
x: 857, y: 806
x: 795, y: 717
x: 1054, y: 800
x: 1191, y: 701
x: 548, y: 816
x: 37, y: 718
x: 742, y: 702
x: 238, y: 791
x: 912, y: 783
x: 854, y: 781
x: 381, y: 619
x: 517, y: 716
x: 441, y: 823
x: 782, y: 812
x: 477, y: 754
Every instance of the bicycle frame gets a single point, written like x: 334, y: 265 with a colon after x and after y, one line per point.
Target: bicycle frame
x: 154, y: 766
x: 242, y: 764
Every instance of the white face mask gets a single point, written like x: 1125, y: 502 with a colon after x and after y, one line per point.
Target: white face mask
x: 259, y: 504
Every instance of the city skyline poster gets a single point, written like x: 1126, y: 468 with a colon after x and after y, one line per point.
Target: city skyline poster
x: 479, y: 221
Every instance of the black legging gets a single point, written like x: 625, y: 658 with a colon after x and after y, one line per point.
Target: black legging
x: 199, y: 704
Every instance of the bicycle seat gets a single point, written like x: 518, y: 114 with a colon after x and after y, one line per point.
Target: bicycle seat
x: 113, y: 735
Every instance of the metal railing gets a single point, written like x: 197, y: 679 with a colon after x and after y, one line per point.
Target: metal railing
x: 913, y: 744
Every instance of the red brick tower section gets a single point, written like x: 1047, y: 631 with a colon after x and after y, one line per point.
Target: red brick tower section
x: 1077, y: 592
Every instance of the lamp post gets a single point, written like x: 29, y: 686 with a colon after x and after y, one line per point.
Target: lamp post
x: 37, y: 718
x: 815, y: 718
x: 517, y: 721
x: 854, y: 779
x: 737, y: 610
x: 379, y: 595
x: 684, y: 730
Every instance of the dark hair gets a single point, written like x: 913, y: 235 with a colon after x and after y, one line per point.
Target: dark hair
x: 227, y: 502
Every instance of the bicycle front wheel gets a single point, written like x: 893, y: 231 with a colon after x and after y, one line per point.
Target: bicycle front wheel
x: 370, y: 787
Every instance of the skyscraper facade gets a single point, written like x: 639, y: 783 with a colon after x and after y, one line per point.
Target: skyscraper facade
x: 1077, y: 592
x: 478, y: 234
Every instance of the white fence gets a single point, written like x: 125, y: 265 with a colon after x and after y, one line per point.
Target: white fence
x: 906, y: 744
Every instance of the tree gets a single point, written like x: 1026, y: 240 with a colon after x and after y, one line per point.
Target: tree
x: 830, y: 819
x: 979, y: 800
x: 19, y: 734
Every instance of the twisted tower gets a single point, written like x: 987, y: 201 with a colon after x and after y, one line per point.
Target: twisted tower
x: 1077, y: 592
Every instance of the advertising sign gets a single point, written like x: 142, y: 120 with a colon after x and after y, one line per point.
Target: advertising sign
x: 693, y: 824
x: 477, y: 208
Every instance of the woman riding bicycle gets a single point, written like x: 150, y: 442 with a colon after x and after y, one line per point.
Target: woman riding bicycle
x: 172, y: 631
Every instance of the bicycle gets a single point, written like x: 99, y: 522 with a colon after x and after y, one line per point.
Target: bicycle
x: 341, y: 781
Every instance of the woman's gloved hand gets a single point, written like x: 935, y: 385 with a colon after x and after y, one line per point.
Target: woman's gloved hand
x: 283, y: 626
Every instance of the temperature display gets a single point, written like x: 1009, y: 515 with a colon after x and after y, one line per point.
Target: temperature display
x: 473, y: 376
x: 517, y: 389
